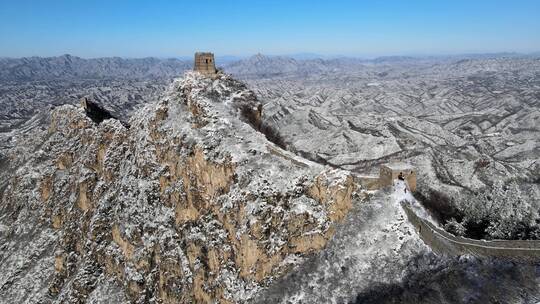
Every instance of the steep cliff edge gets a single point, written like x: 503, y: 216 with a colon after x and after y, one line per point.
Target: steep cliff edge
x: 189, y: 204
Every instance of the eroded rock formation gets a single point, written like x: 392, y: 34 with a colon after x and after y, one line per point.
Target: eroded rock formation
x: 188, y: 205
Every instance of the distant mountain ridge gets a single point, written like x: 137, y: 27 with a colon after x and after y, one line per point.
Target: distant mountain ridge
x: 68, y: 66
x: 263, y: 66
x: 260, y: 65
x: 256, y: 66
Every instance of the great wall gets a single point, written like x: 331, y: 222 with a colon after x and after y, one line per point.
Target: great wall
x: 439, y: 240
x: 446, y: 243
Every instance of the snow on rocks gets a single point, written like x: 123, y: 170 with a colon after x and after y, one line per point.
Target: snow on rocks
x: 372, y: 246
x: 188, y: 204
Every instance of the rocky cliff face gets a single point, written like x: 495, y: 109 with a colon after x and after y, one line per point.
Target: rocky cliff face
x: 189, y: 204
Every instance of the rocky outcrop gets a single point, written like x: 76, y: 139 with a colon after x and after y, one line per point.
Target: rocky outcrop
x: 188, y: 205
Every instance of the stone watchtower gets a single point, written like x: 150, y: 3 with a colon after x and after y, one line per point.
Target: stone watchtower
x: 204, y: 64
x: 390, y: 172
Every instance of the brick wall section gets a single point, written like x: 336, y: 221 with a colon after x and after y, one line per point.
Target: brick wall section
x: 443, y: 242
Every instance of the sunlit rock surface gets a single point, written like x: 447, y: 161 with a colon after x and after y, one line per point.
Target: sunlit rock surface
x: 190, y: 204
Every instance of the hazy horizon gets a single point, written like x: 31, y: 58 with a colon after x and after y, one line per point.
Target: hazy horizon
x: 165, y: 29
x: 298, y: 56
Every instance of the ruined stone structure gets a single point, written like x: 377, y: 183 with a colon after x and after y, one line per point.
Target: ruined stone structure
x: 93, y: 110
x: 390, y: 172
x: 205, y: 63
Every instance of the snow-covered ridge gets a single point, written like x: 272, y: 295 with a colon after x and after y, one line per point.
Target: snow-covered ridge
x: 188, y: 204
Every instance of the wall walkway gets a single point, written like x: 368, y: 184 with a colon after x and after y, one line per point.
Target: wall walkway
x: 445, y: 243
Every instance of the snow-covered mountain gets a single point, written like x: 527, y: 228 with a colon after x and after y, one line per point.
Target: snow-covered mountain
x: 34, y: 84
x: 465, y: 124
x: 262, y: 66
x: 187, y: 204
x: 190, y: 202
x: 73, y: 67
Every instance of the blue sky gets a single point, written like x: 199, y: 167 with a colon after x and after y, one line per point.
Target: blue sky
x: 178, y: 28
